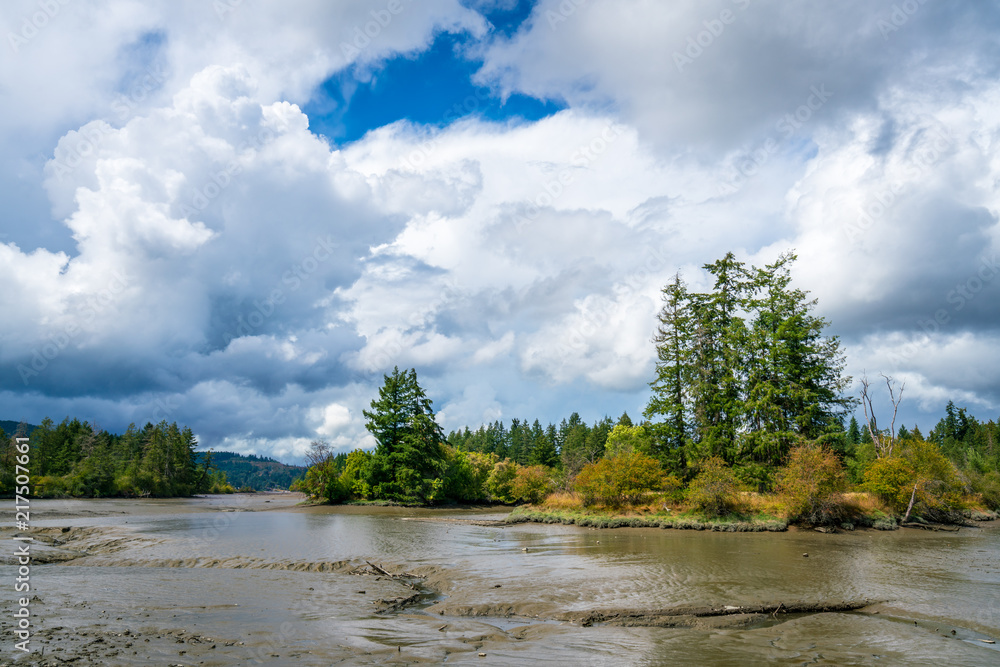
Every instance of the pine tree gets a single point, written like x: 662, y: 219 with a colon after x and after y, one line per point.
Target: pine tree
x: 854, y: 432
x: 675, y: 374
x: 408, y: 464
x: 543, y: 447
x: 744, y: 371
x: 794, y: 382
x: 719, y: 345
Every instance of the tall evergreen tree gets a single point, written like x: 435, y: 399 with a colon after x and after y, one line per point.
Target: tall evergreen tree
x: 854, y: 432
x: 675, y: 374
x: 720, y: 335
x: 744, y: 371
x: 408, y: 464
x: 794, y: 385
x: 543, y: 447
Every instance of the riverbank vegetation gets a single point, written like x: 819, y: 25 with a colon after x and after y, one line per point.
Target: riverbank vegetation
x: 74, y: 458
x: 748, y: 424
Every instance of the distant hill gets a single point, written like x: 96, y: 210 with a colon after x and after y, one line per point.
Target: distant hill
x: 257, y: 472
x: 10, y: 428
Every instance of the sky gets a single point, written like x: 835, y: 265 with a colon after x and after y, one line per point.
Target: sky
x: 238, y: 214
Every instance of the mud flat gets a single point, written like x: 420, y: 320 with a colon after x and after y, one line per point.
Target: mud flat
x: 228, y: 581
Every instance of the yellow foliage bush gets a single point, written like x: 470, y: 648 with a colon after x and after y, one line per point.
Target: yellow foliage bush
x: 620, y: 480
x: 918, y: 465
x: 810, y: 486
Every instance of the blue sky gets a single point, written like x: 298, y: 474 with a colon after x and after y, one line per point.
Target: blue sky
x: 238, y: 216
x: 433, y: 88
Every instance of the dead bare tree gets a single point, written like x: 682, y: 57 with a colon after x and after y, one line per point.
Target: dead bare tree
x: 319, y: 453
x: 884, y: 441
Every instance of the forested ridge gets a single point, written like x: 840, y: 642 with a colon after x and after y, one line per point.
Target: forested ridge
x: 748, y: 414
x: 252, y: 472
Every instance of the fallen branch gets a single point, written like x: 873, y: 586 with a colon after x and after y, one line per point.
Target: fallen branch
x: 379, y: 570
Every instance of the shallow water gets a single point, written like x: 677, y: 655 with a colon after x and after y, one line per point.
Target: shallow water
x: 279, y: 581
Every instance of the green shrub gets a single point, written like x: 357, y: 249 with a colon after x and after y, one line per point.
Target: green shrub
x: 532, y: 484
x: 715, y: 491
x: 987, y: 487
x: 891, y: 480
x: 336, y: 491
x: 500, y: 482
x: 620, y: 480
x: 918, y: 465
x: 673, y: 489
x: 811, y: 484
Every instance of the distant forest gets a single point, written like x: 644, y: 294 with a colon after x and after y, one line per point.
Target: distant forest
x: 251, y: 472
x: 73, y: 458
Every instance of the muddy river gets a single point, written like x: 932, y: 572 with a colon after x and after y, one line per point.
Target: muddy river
x: 226, y: 580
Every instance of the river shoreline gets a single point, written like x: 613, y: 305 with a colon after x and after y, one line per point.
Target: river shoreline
x: 750, y: 524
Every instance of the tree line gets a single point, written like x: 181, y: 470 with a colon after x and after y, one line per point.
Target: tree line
x: 75, y: 458
x: 748, y: 397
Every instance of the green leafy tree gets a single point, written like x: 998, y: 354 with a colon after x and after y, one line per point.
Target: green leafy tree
x: 500, y: 482
x: 627, y: 439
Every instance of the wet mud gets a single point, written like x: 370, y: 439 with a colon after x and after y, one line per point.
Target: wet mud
x: 393, y: 588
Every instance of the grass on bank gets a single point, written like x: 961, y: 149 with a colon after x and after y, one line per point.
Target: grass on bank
x: 750, y: 512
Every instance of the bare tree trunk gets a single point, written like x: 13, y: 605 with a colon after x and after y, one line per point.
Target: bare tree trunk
x: 884, y: 442
x: 909, y: 508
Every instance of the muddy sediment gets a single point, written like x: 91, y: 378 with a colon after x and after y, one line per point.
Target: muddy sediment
x: 721, y: 616
x: 438, y: 588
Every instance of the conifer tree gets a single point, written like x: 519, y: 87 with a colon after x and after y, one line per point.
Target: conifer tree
x: 408, y: 464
